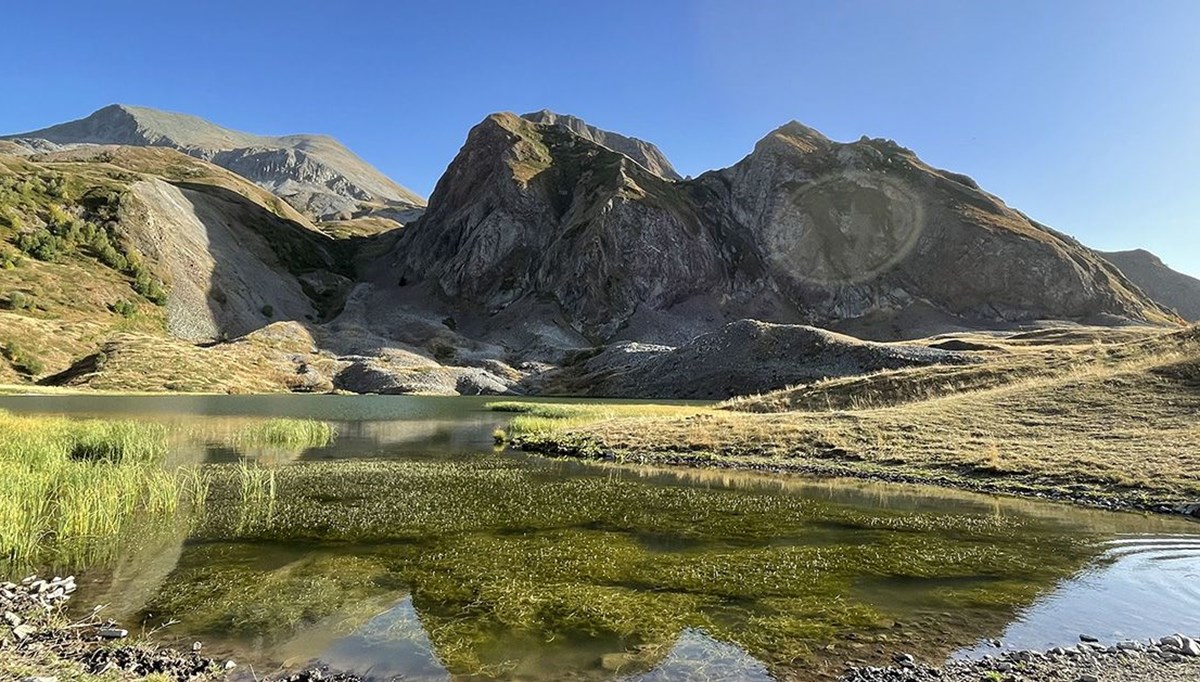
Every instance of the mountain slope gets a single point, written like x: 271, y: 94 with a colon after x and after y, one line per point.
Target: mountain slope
x: 91, y: 248
x: 803, y: 230
x: 1173, y: 289
x: 313, y: 173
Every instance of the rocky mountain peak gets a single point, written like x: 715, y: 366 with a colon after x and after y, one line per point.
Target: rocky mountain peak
x: 644, y: 153
x: 798, y: 135
x: 534, y: 214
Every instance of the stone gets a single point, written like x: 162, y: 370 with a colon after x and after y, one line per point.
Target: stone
x: 1087, y: 677
x: 1190, y: 647
x: 230, y: 665
x: 12, y: 618
x: 196, y: 647
x: 1175, y: 641
x: 615, y: 661
x: 1088, y: 638
x: 112, y: 633
x: 23, y: 631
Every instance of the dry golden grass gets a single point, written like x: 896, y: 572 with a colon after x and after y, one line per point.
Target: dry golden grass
x: 1099, y: 420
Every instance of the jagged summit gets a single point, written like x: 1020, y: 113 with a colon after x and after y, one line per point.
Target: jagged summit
x: 645, y: 153
x: 314, y: 173
x: 860, y: 235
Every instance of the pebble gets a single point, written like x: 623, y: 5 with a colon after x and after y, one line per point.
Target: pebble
x: 1088, y: 638
x: 113, y: 633
x: 1156, y: 661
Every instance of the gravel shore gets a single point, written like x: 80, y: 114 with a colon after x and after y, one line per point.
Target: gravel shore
x: 1175, y: 658
x: 35, y: 634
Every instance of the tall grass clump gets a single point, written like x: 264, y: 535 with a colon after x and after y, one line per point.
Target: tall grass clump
x: 287, y: 432
x: 72, y: 489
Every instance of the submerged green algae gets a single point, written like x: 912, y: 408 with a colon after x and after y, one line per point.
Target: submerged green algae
x: 502, y: 559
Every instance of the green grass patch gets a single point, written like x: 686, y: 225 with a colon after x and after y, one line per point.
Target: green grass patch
x: 535, y: 419
x: 73, y: 489
x: 287, y: 432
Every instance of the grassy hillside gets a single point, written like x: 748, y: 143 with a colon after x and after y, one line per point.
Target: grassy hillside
x: 69, y: 273
x: 1073, y: 415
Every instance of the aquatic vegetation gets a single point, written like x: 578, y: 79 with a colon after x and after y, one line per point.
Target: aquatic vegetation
x: 287, y: 432
x: 500, y: 558
x: 71, y: 488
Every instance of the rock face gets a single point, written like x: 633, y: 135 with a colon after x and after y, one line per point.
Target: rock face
x: 1174, y: 290
x: 803, y: 230
x: 645, y: 153
x: 314, y: 173
x: 228, y: 273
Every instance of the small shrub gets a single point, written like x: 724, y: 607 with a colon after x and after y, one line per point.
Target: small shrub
x: 41, y: 244
x: 9, y: 257
x: 149, y: 287
x: 18, y: 300
x: 124, y: 308
x: 21, y: 360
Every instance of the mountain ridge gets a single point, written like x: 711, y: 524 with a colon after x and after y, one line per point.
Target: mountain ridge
x: 316, y: 174
x: 803, y: 230
x: 546, y: 261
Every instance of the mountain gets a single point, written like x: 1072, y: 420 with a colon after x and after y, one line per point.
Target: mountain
x: 1174, y: 290
x: 314, y: 173
x: 553, y: 257
x: 641, y: 151
x: 532, y: 221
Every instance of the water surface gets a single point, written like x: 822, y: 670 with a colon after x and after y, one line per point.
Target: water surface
x: 410, y: 547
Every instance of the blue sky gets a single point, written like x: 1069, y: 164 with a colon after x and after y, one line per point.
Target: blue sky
x: 1083, y: 114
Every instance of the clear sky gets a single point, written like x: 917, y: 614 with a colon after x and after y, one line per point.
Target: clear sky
x: 1085, y: 114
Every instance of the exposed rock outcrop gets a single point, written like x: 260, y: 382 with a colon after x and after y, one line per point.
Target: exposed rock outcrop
x: 1174, y: 290
x: 314, y: 173
x: 803, y: 230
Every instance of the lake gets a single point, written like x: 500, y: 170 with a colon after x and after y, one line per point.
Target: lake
x: 412, y: 547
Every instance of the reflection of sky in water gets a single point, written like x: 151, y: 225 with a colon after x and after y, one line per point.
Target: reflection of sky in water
x: 1145, y: 583
x: 390, y: 645
x: 696, y: 656
x: 1143, y: 586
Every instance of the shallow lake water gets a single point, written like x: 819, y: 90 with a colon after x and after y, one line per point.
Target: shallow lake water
x: 411, y: 547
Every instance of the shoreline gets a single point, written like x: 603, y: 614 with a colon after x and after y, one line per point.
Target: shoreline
x: 39, y: 642
x: 554, y: 448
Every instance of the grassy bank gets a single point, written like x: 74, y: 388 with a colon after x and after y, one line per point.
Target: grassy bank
x: 73, y: 491
x: 71, y: 486
x: 1045, y: 415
